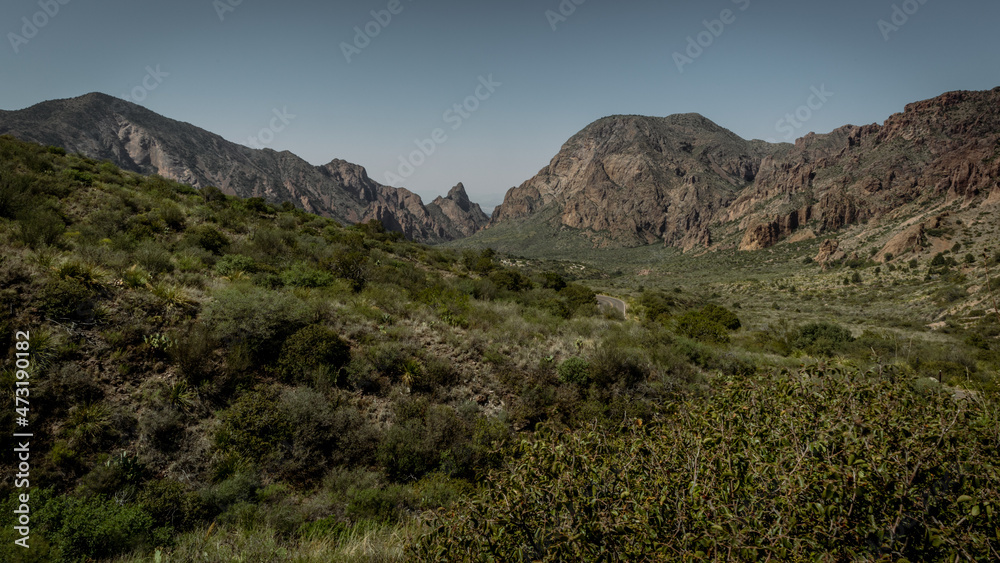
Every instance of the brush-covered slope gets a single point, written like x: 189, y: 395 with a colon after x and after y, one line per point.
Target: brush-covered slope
x: 139, y: 140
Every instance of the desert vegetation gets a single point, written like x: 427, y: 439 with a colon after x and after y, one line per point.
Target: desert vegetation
x: 216, y: 377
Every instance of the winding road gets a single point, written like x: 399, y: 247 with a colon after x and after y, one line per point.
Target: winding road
x: 608, y: 301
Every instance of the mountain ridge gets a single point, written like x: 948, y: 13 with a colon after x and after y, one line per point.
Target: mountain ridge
x: 140, y: 140
x: 687, y: 182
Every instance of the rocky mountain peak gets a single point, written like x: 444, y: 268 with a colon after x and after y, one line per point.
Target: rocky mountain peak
x: 136, y: 139
x: 633, y: 180
x: 466, y: 218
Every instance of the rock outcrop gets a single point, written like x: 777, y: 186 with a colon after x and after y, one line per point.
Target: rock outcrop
x: 941, y: 150
x: 456, y: 215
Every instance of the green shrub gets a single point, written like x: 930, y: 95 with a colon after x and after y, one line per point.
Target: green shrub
x: 232, y: 264
x: 844, y: 467
x: 722, y: 316
x: 384, y: 504
x: 254, y: 426
x: 192, y: 348
x: 481, y: 262
x: 213, y: 194
x: 511, y: 280
x: 15, y: 193
x: 81, y: 529
x: 209, y: 238
x: 657, y: 305
x: 314, y: 352
x: 302, y: 275
x: 824, y: 339
x: 259, y: 319
x: 170, y: 505
x: 172, y: 216
x: 694, y: 324
x: 552, y: 280
x: 579, y: 298
x: 574, y: 370
x: 613, y: 364
x: 352, y: 265
x: 415, y: 446
x: 40, y: 226
x: 67, y: 299
x: 432, y: 375
x: 154, y: 258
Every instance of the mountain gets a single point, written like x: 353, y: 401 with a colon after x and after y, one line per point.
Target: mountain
x: 139, y: 140
x: 630, y: 180
x: 457, y: 210
x: 936, y: 153
x: 686, y: 182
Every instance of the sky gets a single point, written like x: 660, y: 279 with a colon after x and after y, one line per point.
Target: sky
x: 426, y: 94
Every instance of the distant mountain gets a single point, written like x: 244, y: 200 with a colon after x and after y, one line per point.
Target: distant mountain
x: 456, y: 210
x: 134, y: 138
x: 936, y: 154
x: 684, y: 181
x: 630, y: 180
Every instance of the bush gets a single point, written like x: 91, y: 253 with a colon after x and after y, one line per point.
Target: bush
x: 67, y: 299
x: 258, y: 319
x: 616, y: 365
x: 422, y: 442
x: 884, y: 471
x: 312, y: 354
x: 170, y: 505
x: 232, y: 264
x: 574, y: 370
x: 511, y: 280
x: 694, y: 324
x: 822, y: 339
x: 40, y: 226
x: 154, y: 258
x: 254, y: 426
x: 209, y: 238
x: 722, y: 316
x: 81, y: 529
x: 302, y: 275
x: 171, y: 215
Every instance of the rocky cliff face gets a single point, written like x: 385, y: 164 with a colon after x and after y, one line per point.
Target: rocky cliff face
x: 457, y: 214
x: 684, y: 181
x: 941, y: 150
x: 137, y: 139
x: 640, y: 180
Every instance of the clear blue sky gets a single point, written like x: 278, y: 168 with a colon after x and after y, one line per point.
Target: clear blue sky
x: 229, y: 74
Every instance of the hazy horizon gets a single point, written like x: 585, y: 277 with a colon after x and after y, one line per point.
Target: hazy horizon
x: 486, y: 94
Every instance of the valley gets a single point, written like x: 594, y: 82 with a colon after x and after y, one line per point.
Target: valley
x: 801, y: 351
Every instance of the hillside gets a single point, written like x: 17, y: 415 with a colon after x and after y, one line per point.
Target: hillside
x: 214, y: 377
x: 138, y: 140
